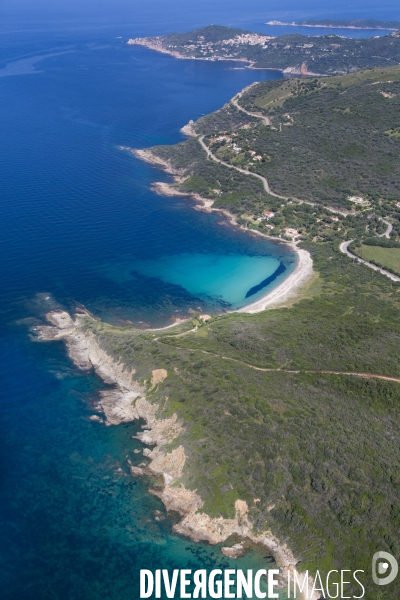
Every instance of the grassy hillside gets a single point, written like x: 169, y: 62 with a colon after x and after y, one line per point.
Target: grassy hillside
x: 385, y: 257
x: 329, y: 141
x: 319, y: 450
x: 272, y: 404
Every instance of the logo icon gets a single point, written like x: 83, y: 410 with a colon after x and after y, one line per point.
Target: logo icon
x: 381, y: 563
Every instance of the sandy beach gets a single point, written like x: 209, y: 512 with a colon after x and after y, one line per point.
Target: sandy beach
x: 289, y: 287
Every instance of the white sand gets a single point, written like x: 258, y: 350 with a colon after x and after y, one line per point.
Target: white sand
x: 288, y: 288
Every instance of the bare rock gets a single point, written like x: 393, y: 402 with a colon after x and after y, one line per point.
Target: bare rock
x: 96, y: 418
x: 136, y: 470
x: 235, y: 551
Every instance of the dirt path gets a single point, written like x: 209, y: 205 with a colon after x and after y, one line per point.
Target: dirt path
x: 280, y: 370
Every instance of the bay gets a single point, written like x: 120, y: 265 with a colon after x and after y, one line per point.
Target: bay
x: 79, y: 225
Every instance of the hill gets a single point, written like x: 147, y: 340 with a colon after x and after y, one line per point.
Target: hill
x: 329, y: 155
x: 293, y: 54
x: 294, y: 411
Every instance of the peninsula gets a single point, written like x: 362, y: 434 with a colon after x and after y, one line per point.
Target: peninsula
x: 298, y: 159
x: 278, y: 428
x: 342, y: 24
x: 292, y: 54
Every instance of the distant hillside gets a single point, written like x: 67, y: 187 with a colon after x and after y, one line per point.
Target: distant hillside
x: 328, y: 141
x: 356, y: 23
x: 292, y: 54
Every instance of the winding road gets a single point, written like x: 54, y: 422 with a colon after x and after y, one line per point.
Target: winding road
x: 344, y: 248
x: 265, y: 120
x: 263, y: 179
x: 344, y: 245
x: 244, y: 171
x: 388, y: 231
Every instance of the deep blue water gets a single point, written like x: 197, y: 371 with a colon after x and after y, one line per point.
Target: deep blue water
x: 79, y: 225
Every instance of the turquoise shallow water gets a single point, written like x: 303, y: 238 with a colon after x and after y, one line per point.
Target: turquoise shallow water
x: 219, y: 280
x: 215, y: 276
x: 80, y: 225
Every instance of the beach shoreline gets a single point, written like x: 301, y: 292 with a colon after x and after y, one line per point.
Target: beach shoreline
x: 286, y: 289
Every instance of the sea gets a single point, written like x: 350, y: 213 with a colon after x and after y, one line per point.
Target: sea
x: 80, y: 226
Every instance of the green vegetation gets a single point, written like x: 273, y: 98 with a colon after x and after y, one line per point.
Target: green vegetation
x: 318, y: 448
x: 329, y: 140
x: 388, y: 258
x: 327, y: 143
x: 229, y: 188
x: 327, y: 54
x: 210, y: 34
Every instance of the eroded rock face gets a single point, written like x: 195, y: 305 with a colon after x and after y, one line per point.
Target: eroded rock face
x: 157, y: 376
x: 119, y: 406
x: 235, y: 551
x: 169, y: 465
x: 200, y: 526
x: 127, y: 402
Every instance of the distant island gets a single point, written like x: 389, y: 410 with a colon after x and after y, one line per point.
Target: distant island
x: 343, y: 24
x: 292, y: 54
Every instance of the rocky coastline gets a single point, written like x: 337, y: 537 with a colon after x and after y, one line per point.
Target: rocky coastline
x: 127, y: 402
x: 157, y: 45
x: 333, y: 26
x: 289, y: 287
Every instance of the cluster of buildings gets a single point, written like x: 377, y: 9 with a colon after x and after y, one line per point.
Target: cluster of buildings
x: 236, y: 148
x: 252, y: 39
x: 248, y: 39
x: 254, y: 155
x: 290, y: 232
x: 266, y: 216
x: 358, y: 200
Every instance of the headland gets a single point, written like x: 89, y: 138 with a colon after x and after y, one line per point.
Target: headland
x: 291, y: 54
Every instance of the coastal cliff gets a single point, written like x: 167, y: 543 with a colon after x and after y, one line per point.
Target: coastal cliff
x: 126, y: 402
x: 276, y: 421
x: 227, y: 402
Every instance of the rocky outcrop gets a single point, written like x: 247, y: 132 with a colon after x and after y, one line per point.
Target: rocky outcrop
x: 235, y: 551
x: 189, y: 129
x: 127, y: 402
